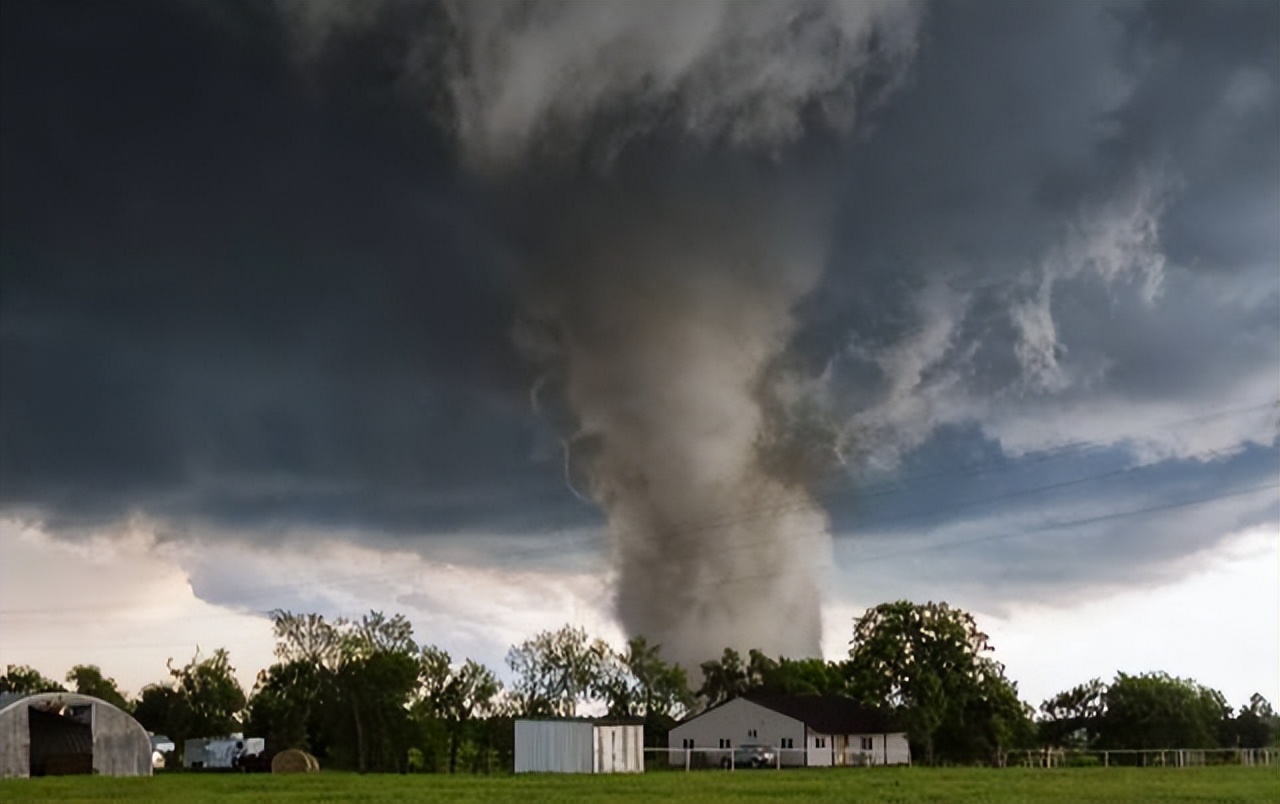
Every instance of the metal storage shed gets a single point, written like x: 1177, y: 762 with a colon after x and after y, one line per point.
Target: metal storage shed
x: 56, y: 733
x: 579, y: 746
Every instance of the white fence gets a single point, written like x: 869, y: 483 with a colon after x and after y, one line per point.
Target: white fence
x: 1146, y: 758
x: 704, y: 758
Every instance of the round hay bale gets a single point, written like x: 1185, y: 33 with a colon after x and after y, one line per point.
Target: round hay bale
x: 294, y: 761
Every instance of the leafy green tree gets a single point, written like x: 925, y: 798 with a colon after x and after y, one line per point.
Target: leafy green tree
x: 376, y: 675
x: 999, y: 719
x: 636, y: 682
x: 1156, y: 710
x: 724, y: 679
x: 159, y: 709
x: 557, y: 670
x: 469, y: 695
x: 88, y: 680
x: 25, y: 680
x: 210, y: 700
x: 451, y: 701
x: 928, y: 663
x: 342, y: 688
x: 1256, y: 725
x: 810, y: 676
x: 1071, y: 718
x: 284, y: 704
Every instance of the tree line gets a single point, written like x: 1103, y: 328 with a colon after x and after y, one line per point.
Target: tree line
x: 363, y: 694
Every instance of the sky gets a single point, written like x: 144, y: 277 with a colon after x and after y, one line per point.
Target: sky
x: 719, y: 323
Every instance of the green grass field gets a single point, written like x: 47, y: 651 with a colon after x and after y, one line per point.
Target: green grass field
x: 989, y: 786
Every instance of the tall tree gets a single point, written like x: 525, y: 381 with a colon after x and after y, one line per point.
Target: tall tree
x: 1256, y: 726
x: 811, y: 676
x: 25, y: 680
x: 344, y: 687
x: 724, y: 679
x: 160, y: 709
x: 1156, y: 710
x: 929, y: 663
x: 89, y: 680
x: 470, y: 694
x: 210, y: 700
x: 557, y: 670
x: 636, y: 682
x: 376, y: 676
x: 1071, y: 718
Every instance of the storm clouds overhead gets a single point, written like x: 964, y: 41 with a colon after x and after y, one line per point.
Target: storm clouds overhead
x: 747, y: 310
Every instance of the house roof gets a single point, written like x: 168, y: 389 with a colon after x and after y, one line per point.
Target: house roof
x: 828, y: 714
x: 595, y: 721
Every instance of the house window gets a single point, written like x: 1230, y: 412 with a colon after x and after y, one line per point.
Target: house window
x: 751, y: 732
x: 726, y: 743
x: 787, y: 742
x: 687, y: 742
x: 868, y: 743
x: 819, y: 742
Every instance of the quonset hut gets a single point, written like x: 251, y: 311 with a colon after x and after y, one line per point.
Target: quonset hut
x: 56, y: 733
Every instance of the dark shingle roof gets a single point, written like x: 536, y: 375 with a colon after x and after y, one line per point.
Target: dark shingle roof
x: 829, y: 714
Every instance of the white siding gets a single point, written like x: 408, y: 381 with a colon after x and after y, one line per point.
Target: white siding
x: 735, y: 721
x: 619, y: 749
x: 886, y: 749
x: 818, y: 749
x: 553, y: 746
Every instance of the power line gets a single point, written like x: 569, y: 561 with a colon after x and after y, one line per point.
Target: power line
x: 726, y: 521
x: 1072, y: 523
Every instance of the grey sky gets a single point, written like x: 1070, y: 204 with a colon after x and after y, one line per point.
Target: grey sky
x: 261, y: 268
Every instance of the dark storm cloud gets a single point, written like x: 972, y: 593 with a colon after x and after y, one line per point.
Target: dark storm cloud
x: 1126, y: 154
x: 222, y: 297
x: 245, y: 277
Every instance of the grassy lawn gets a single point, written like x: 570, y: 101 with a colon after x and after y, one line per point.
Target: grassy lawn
x: 988, y: 786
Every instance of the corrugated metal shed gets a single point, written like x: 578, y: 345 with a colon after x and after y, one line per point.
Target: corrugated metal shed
x: 64, y: 732
x: 578, y: 746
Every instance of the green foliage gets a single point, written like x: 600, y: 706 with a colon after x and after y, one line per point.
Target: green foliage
x: 1071, y: 718
x: 210, y: 700
x: 556, y: 671
x: 88, y: 680
x: 202, y: 699
x: 927, y: 662
x: 460, y: 696
x: 341, y: 689
x: 724, y: 679
x: 24, y: 680
x: 727, y: 677
x: 1256, y: 726
x: 158, y: 710
x: 1156, y: 710
x: 361, y: 694
x: 636, y: 682
x: 1241, y: 785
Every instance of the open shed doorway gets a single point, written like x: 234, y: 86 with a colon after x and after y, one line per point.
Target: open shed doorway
x: 61, y: 740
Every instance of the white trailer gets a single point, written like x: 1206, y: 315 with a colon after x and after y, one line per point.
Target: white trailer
x: 220, y: 753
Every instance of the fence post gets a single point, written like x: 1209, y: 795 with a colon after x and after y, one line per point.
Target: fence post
x: 1106, y: 759
x: 688, y: 752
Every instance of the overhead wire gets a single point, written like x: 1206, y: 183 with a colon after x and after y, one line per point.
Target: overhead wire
x: 596, y: 535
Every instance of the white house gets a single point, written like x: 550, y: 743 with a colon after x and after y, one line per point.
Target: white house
x: 810, y: 730
x: 579, y: 746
